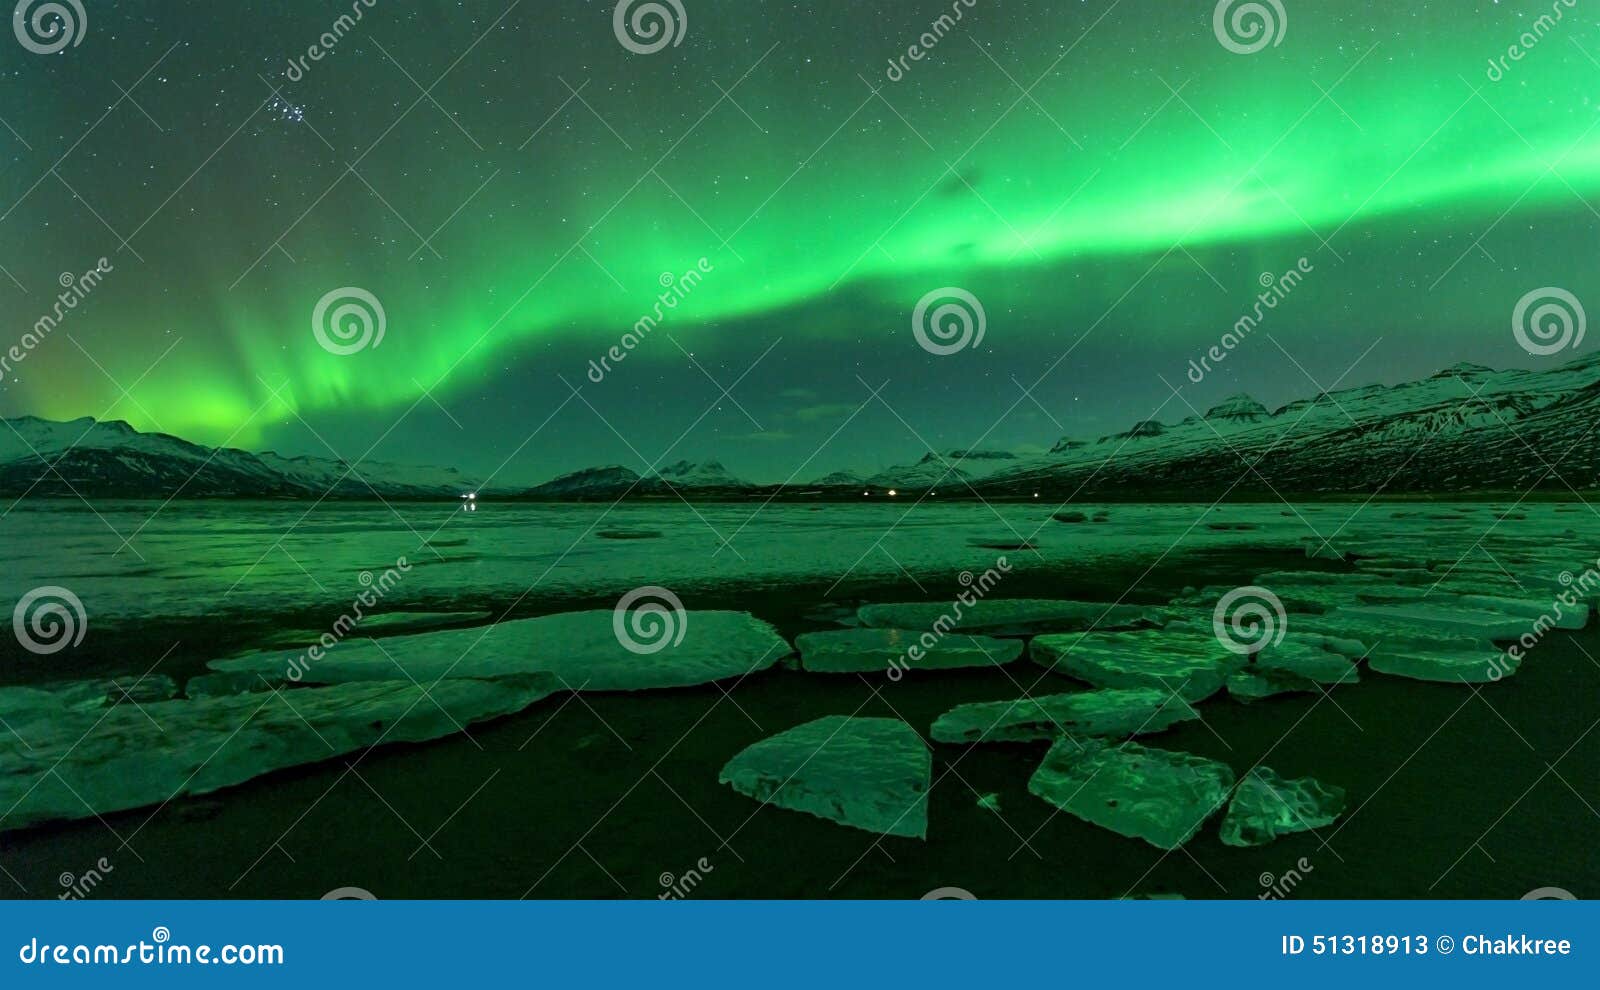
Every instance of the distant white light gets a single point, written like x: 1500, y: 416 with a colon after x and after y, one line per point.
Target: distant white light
x: 893, y: 493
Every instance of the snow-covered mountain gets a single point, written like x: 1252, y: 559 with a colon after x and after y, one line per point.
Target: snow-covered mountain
x: 597, y: 482
x: 111, y: 459
x: 1466, y: 429
x: 686, y: 477
x: 955, y: 470
x: 706, y: 475
x: 839, y: 479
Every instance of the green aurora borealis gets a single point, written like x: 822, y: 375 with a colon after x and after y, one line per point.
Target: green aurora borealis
x: 1112, y: 211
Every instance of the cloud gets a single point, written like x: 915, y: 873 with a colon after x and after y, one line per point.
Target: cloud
x: 824, y: 411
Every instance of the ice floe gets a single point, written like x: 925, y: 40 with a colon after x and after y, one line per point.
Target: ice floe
x: 84, y: 763
x: 1184, y: 660
x: 1254, y: 683
x: 1425, y: 661
x: 582, y: 649
x: 1157, y: 795
x: 1010, y: 616
x: 1265, y: 806
x: 1116, y: 713
x: 868, y: 773
x: 22, y: 704
x: 867, y: 650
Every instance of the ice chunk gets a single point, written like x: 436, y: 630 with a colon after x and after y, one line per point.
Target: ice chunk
x: 1157, y: 795
x: 1446, y: 661
x: 228, y: 682
x: 1179, y: 659
x: 1266, y: 806
x: 19, y: 705
x: 868, y: 773
x: 1322, y: 659
x: 867, y: 650
x: 1118, y: 713
x: 1009, y: 616
x: 583, y: 649
x: 86, y: 763
x: 404, y: 622
x: 1254, y: 683
x: 1448, y: 619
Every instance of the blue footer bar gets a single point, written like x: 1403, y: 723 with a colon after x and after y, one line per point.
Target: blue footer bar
x: 797, y: 944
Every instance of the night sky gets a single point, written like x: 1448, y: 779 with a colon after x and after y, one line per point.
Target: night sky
x: 1113, y: 221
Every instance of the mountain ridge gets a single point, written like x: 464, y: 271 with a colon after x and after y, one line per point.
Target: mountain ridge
x: 1466, y: 429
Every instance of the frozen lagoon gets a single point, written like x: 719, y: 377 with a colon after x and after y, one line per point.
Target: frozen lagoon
x: 1164, y: 554
x: 242, y: 558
